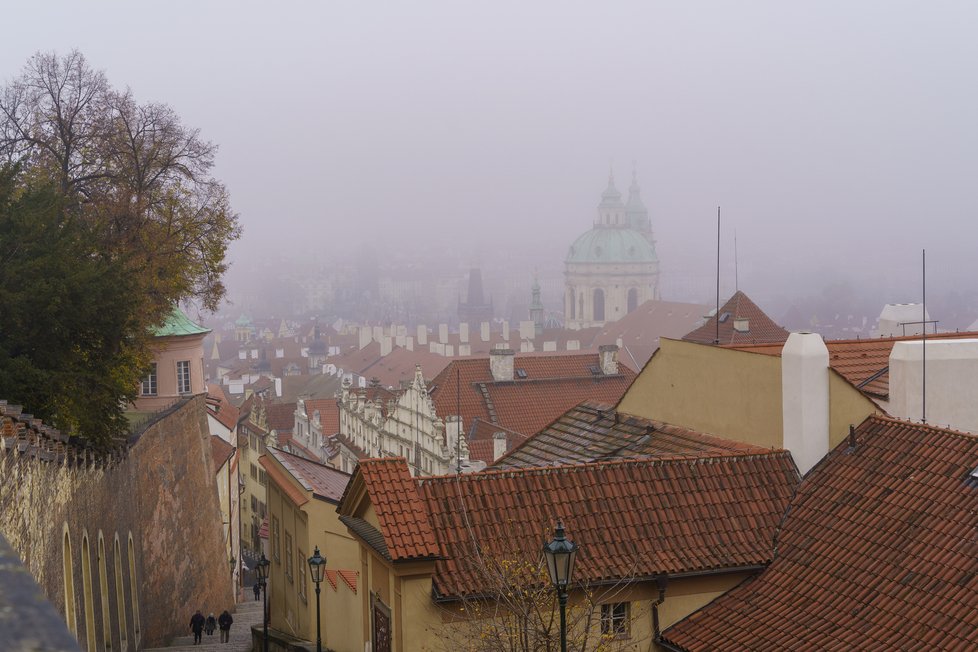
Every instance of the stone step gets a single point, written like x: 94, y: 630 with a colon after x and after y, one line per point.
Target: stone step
x: 245, y: 615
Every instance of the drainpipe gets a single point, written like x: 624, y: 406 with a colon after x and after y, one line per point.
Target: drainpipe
x: 661, y: 581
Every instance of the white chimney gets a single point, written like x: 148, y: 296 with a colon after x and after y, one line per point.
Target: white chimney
x: 501, y: 364
x: 952, y: 393
x: 443, y: 333
x: 378, y: 333
x: 463, y: 333
x: 409, y: 343
x: 898, y: 319
x: 465, y: 350
x: 506, y: 332
x: 527, y: 330
x: 365, y: 337
x: 242, y: 354
x: 741, y: 325
x: 422, y: 335
x: 484, y: 331
x: 608, y: 355
x: 526, y: 346
x: 805, y: 398
x: 385, y: 345
x: 498, y: 445
x: 449, y: 351
x: 573, y: 345
x: 278, y: 387
x: 550, y: 346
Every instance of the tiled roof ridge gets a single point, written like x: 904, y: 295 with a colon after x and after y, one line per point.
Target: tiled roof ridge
x: 947, y: 430
x: 748, y: 347
x: 668, y: 460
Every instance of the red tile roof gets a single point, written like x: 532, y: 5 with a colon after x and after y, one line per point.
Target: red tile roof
x: 323, y: 481
x: 553, y: 385
x: 640, y: 330
x: 280, y: 416
x: 864, y: 363
x: 592, y: 432
x: 481, y: 440
x: 400, y: 512
x: 221, y: 452
x: 762, y: 328
x: 219, y: 406
x: 877, y: 552
x: 329, y: 414
x: 631, y: 518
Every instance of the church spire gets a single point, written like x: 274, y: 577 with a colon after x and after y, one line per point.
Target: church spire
x: 611, y: 210
x: 636, y: 212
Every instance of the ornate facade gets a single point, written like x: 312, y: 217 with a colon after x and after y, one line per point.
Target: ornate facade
x: 402, y: 424
x: 613, y: 268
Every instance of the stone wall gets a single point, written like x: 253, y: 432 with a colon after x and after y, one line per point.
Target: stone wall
x: 161, y: 493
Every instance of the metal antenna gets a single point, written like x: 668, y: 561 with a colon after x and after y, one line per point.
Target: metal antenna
x: 458, y: 424
x: 716, y: 315
x: 923, y: 318
x: 736, y: 265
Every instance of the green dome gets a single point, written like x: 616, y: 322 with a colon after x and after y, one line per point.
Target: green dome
x: 611, y: 245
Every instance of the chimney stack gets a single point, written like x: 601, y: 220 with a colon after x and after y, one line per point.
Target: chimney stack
x: 422, y: 335
x: 608, y: 354
x: 498, y: 445
x: 501, y: 364
x: 805, y: 398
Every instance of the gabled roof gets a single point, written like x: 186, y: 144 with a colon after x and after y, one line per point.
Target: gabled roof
x: 404, y: 532
x: 221, y: 452
x: 219, y: 406
x: 864, y: 363
x: 631, y: 518
x: 553, y: 384
x: 322, y: 481
x: 877, y: 552
x: 761, y: 328
x: 592, y: 432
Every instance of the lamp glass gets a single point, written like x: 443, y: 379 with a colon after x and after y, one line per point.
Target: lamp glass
x: 262, y: 568
x: 317, y: 564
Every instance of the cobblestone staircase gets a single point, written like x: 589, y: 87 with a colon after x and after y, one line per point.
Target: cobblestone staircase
x: 245, y: 615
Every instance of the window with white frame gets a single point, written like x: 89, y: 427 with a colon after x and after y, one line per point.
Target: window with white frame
x: 183, y: 377
x: 614, y: 619
x: 148, y: 386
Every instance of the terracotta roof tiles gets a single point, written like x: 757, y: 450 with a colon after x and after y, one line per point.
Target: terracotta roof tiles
x: 323, y: 481
x: 761, y: 328
x: 221, y: 452
x: 400, y: 512
x: 877, y: 551
x: 631, y: 517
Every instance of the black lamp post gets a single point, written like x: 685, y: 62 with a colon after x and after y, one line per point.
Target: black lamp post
x: 262, y: 569
x: 559, y: 555
x: 317, y: 564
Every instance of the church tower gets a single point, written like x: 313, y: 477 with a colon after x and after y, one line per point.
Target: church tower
x: 536, y: 308
x: 613, y: 268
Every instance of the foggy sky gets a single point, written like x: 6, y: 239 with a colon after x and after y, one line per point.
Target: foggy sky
x: 839, y: 138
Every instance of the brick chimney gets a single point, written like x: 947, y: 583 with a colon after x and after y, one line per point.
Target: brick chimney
x: 608, y: 354
x: 501, y: 364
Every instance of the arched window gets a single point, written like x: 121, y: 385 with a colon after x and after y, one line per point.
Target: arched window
x: 120, y: 595
x: 572, y: 307
x: 87, y: 594
x: 134, y: 596
x: 580, y: 305
x: 103, y: 587
x: 632, y: 299
x: 69, y: 571
x: 599, y: 304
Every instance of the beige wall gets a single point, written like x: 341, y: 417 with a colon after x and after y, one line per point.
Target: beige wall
x: 718, y: 391
x: 730, y: 393
x: 167, y: 352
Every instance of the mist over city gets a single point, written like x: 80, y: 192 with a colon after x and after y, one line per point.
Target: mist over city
x: 838, y: 140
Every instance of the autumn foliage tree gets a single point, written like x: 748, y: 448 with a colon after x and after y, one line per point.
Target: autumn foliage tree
x: 131, y: 188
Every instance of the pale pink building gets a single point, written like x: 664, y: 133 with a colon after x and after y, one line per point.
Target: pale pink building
x: 178, y: 366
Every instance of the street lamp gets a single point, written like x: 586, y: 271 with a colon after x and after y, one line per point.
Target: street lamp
x: 559, y: 555
x: 317, y: 564
x: 262, y: 569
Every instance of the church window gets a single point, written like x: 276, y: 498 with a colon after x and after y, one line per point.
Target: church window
x: 632, y: 299
x: 599, y: 304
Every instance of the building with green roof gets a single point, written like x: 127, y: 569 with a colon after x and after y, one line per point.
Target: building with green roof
x: 613, y: 268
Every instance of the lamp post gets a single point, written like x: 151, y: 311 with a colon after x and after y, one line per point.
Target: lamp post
x: 559, y: 555
x: 317, y: 563
x: 262, y: 569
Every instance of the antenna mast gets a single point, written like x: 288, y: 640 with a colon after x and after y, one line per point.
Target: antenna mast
x: 458, y: 423
x: 716, y: 315
x: 736, y: 265
x: 923, y: 318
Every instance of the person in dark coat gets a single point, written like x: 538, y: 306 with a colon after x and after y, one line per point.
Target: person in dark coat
x: 225, y: 620
x: 197, y: 625
x: 257, y: 589
x: 210, y: 625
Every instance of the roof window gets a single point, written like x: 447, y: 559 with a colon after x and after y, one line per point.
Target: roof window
x: 594, y: 369
x: 521, y: 373
x: 724, y: 316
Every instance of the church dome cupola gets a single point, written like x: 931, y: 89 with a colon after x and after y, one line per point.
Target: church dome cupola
x: 611, y: 210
